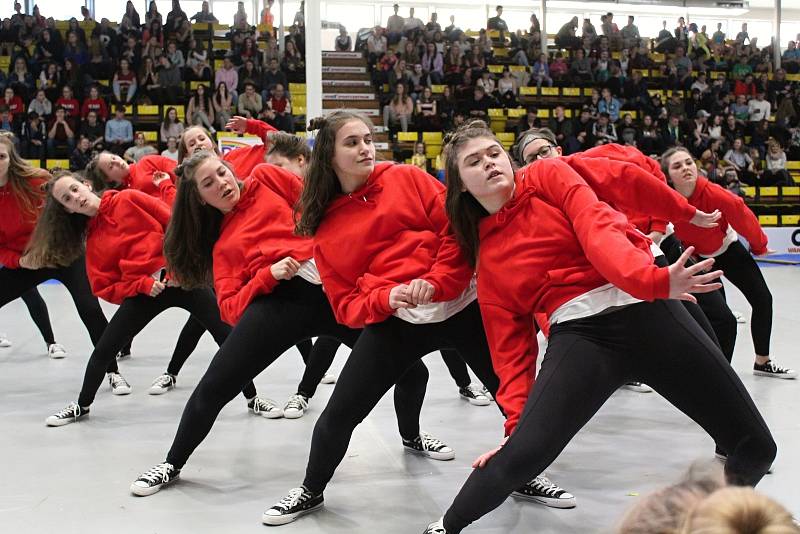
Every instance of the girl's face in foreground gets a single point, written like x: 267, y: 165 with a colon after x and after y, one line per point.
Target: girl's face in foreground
x: 485, y: 170
x: 217, y: 185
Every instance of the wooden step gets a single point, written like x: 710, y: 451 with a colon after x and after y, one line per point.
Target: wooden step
x: 345, y: 76
x: 341, y: 55
x: 344, y: 62
x: 350, y: 69
x: 338, y: 89
x: 346, y: 83
x: 351, y: 104
x: 360, y: 95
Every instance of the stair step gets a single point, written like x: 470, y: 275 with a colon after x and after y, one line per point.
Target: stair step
x: 339, y: 69
x: 361, y: 105
x: 346, y: 83
x: 349, y: 96
x: 345, y: 76
x: 342, y: 55
x: 344, y: 62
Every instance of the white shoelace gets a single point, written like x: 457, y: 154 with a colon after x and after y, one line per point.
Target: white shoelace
x: 263, y: 405
x: 117, y: 380
x: 546, y: 486
x: 291, y: 500
x: 296, y: 402
x: 163, y: 381
x: 477, y: 391
x: 430, y: 443
x: 158, y: 473
x: 57, y: 347
x: 73, y: 410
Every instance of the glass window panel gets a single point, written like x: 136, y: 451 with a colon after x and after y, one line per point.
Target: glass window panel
x: 224, y: 10
x: 61, y: 9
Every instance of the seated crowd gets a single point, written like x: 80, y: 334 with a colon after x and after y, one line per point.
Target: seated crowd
x: 69, y: 92
x: 722, y: 98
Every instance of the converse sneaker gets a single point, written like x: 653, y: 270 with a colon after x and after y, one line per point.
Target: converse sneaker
x: 722, y: 456
x: 772, y: 369
x: 430, y: 447
x: 437, y: 527
x: 638, y: 387
x: 739, y: 317
x: 162, y: 384
x: 119, y: 386
x: 328, y: 378
x: 475, y: 395
x: 295, y: 407
x: 265, y: 408
x: 542, y: 490
x: 56, y: 351
x: 71, y: 414
x: 154, y: 479
x: 4, y: 341
x: 299, y: 501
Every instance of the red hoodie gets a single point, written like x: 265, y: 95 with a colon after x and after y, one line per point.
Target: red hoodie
x: 97, y: 105
x: 388, y: 232
x: 644, y: 220
x: 552, y: 242
x: 140, y: 177
x: 258, y: 232
x: 124, y: 244
x: 16, y: 227
x: 708, y: 197
x: 245, y: 159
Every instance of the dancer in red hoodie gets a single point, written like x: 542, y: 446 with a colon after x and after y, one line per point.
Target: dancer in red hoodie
x: 389, y: 264
x: 608, y: 172
x: 549, y: 233
x: 240, y: 237
x: 722, y: 243
x: 21, y: 198
x: 123, y: 233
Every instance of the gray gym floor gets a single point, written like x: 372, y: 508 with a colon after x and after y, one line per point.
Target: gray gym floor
x: 76, y: 478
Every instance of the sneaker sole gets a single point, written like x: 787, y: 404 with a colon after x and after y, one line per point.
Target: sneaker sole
x: 57, y: 356
x: 121, y: 391
x: 441, y: 456
x: 146, y: 492
x: 276, y: 520
x: 293, y: 414
x: 550, y: 503
x: 62, y: 422
x: 775, y: 375
x: 274, y: 414
x: 638, y: 389
x: 158, y: 391
x: 327, y: 381
x: 476, y: 402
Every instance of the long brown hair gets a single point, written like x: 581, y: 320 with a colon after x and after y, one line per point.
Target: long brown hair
x: 20, y: 172
x: 321, y: 182
x: 193, y: 228
x: 288, y: 145
x: 739, y: 509
x: 60, y: 236
x: 463, y: 210
x: 183, y: 152
x: 96, y: 176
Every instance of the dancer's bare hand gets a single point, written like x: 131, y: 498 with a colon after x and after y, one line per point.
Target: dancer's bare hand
x: 238, y: 124
x: 706, y: 220
x: 285, y: 268
x: 159, y: 177
x: 157, y: 288
x: 419, y: 292
x: 484, y: 458
x: 683, y: 281
x: 398, y: 297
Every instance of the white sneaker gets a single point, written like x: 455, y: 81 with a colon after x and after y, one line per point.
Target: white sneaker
x: 4, y: 341
x: 638, y: 387
x: 265, y: 408
x: 739, y: 317
x: 476, y: 395
x: 162, y: 384
x: 71, y: 414
x: 429, y: 446
x: 119, y: 386
x: 437, y: 527
x: 328, y: 378
x: 56, y: 351
x: 154, y: 479
x: 295, y: 407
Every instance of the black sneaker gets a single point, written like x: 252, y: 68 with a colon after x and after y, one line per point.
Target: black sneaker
x: 772, y: 369
x: 476, y: 395
x: 430, y: 447
x: 71, y: 414
x: 542, y: 490
x: 722, y: 456
x: 299, y: 501
x: 154, y: 479
x: 437, y: 527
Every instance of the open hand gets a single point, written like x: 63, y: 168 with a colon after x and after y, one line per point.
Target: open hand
x: 683, y: 281
x: 159, y: 177
x: 238, y: 124
x: 706, y: 220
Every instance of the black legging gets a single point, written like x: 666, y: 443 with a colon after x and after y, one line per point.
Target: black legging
x: 586, y: 361
x: 38, y: 310
x: 296, y: 310
x: 15, y: 282
x: 741, y: 269
x: 318, y: 359
x: 457, y: 368
x: 134, y: 314
x: 383, y: 353
x: 711, y: 311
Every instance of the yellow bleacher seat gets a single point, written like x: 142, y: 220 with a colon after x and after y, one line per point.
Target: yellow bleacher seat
x: 527, y: 91
x: 302, y: 134
x: 299, y: 100
x: 432, y: 138
x: 515, y: 113
x: 437, y: 89
x: 793, y: 165
x: 644, y: 72
x: 506, y: 138
x: 262, y: 28
x: 790, y: 220
x: 297, y: 88
x: 181, y: 111
x: 616, y: 55
x: 495, y: 69
x: 431, y: 151
x: 500, y: 52
x: 62, y: 24
x: 194, y: 84
x: 218, y: 64
x: 517, y: 68
x: 791, y: 191
x: 549, y: 91
x: 768, y: 191
x: 218, y: 26
x: 51, y: 164
x: 221, y: 45
x: 768, y: 220
x: 571, y: 91
x: 494, y: 34
x: 543, y: 113
x: 793, y: 77
x: 128, y: 109
x: 34, y: 163
x: 497, y: 112
x: 149, y: 136
x: 298, y: 111
x: 587, y: 91
x: 147, y: 110
x: 201, y: 26
x: 407, y: 137
x: 568, y: 113
x: 749, y: 191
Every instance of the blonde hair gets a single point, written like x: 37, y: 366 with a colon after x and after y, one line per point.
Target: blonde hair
x: 739, y: 510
